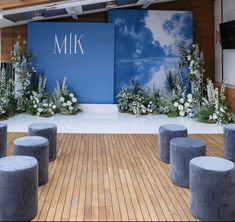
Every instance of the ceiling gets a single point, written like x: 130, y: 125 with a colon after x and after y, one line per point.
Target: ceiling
x: 18, y: 12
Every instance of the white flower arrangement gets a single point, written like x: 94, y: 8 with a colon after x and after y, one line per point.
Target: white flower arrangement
x: 215, y: 108
x: 21, y: 61
x: 7, y: 98
x: 134, y: 100
x: 65, y: 101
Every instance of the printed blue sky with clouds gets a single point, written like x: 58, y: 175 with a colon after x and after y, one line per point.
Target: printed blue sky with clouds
x: 146, y: 45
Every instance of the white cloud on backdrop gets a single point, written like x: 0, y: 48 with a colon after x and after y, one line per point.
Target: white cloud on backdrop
x: 155, y: 22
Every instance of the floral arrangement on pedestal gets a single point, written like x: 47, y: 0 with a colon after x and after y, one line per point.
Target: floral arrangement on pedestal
x: 28, y: 93
x: 65, y: 100
x: 205, y: 102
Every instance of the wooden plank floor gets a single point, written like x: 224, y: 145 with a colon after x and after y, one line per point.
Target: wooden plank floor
x: 112, y: 177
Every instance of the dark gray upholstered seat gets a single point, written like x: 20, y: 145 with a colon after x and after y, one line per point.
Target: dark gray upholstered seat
x: 37, y: 147
x: 18, y: 188
x: 182, y: 150
x: 47, y: 130
x: 229, y: 142
x: 3, y: 139
x: 212, y: 189
x: 166, y: 133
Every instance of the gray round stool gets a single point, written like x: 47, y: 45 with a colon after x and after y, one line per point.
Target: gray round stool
x: 229, y: 142
x: 18, y: 188
x: 37, y: 147
x: 3, y: 139
x: 182, y: 150
x: 212, y: 189
x: 166, y: 133
x: 47, y: 130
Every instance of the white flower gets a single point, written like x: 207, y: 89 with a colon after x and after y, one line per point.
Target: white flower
x: 186, y: 104
x: 62, y: 99
x: 35, y: 106
x: 52, y: 113
x: 50, y: 110
x: 180, y: 107
x: 74, y: 100
x: 182, y: 100
x: 54, y: 107
x: 69, y: 103
x: 45, y: 105
x: 38, y: 114
x: 182, y: 113
x: 190, y: 96
x: 176, y: 104
x: 189, y: 57
x: 70, y: 108
x: 64, y: 104
x: 40, y: 110
x: 214, y: 117
x: 191, y: 62
x: 71, y: 95
x: 222, y: 110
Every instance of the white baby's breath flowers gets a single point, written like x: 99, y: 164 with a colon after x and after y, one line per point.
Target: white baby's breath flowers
x: 64, y: 104
x: 182, y: 100
x: 54, y: 107
x: 71, y: 95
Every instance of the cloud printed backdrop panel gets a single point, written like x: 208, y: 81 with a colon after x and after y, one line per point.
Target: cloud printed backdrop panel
x: 146, y: 45
x: 83, y: 52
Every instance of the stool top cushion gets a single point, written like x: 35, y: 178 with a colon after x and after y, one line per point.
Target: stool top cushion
x: 230, y: 126
x: 211, y: 163
x: 17, y: 163
x: 31, y: 141
x: 3, y: 125
x: 42, y: 125
x: 172, y: 127
x: 187, y: 142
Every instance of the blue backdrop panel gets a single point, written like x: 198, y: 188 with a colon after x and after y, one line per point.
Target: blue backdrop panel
x: 147, y: 44
x: 82, y: 52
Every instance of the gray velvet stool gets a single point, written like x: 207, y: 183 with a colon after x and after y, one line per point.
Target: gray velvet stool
x: 37, y: 147
x: 166, y: 133
x: 212, y: 189
x: 47, y: 130
x: 182, y: 150
x: 18, y: 188
x: 229, y: 142
x: 3, y: 139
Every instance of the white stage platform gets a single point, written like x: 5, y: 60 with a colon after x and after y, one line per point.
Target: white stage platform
x: 107, y: 119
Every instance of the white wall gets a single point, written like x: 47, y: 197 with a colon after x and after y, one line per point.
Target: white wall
x: 226, y: 56
x: 218, y: 48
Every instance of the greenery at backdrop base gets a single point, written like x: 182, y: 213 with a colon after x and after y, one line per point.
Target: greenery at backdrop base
x: 205, y: 102
x: 28, y: 92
